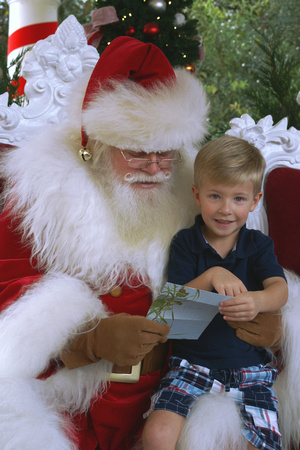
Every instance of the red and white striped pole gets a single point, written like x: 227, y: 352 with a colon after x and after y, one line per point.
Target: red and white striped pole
x: 29, y: 22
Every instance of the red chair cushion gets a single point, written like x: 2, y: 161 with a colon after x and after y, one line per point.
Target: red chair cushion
x: 282, y: 193
x: 3, y: 147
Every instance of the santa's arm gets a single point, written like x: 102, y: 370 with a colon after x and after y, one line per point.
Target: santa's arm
x: 38, y: 313
x: 16, y: 270
x: 59, y: 315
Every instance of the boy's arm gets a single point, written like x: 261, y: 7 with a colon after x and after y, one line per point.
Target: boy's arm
x: 246, y: 306
x: 265, y: 329
x: 274, y: 295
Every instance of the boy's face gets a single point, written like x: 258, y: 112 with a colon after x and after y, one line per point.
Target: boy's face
x: 225, y: 208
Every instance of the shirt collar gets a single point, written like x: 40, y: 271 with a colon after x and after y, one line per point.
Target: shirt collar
x: 244, y: 247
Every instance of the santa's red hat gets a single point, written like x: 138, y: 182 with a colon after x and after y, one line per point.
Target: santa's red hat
x: 135, y: 100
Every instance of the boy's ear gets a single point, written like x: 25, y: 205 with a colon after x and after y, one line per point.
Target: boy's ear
x: 256, y: 201
x: 196, y: 194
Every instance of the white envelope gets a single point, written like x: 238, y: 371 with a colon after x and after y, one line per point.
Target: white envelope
x: 186, y: 310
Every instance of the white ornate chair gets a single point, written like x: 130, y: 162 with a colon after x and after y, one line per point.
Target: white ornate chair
x: 281, y: 149
x: 278, y: 215
x: 50, y: 69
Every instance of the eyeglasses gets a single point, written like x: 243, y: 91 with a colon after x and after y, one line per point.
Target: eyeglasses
x: 161, y: 161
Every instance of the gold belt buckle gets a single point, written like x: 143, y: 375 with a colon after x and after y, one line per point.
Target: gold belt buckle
x: 132, y: 376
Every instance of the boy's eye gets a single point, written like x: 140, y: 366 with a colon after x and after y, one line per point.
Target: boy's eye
x: 215, y: 196
x: 239, y: 199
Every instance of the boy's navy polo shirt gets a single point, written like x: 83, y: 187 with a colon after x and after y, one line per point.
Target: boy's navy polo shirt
x: 252, y: 261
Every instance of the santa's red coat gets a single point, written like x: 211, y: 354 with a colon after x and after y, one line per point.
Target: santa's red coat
x: 113, y: 419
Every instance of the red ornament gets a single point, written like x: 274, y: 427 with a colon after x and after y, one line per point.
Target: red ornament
x: 151, y: 29
x: 130, y: 31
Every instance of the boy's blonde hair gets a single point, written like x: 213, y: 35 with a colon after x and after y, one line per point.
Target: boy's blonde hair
x: 230, y: 160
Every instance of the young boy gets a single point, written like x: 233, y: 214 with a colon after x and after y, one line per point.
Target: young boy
x: 219, y: 253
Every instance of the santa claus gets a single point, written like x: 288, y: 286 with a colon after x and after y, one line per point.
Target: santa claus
x: 92, y: 205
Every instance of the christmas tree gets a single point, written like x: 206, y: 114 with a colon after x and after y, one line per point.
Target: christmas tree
x: 164, y: 23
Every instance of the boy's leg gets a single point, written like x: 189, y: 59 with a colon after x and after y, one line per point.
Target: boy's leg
x: 259, y: 407
x: 162, y: 430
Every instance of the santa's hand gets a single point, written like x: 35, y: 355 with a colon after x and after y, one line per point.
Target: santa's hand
x: 265, y: 330
x: 122, y: 339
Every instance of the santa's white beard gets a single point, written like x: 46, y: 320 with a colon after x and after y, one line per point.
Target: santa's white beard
x: 143, y: 221
x: 143, y: 215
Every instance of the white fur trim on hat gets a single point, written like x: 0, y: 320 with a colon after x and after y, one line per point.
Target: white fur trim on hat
x: 167, y: 116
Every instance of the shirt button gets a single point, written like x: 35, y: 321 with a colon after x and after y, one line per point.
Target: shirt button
x: 116, y: 291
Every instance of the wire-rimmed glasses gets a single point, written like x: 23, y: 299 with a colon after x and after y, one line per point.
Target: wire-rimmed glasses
x: 162, y: 160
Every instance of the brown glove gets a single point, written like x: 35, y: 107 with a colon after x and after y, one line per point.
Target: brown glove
x: 263, y: 331
x: 122, y: 339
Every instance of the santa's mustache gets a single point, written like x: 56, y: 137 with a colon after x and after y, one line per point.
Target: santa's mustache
x: 159, y: 177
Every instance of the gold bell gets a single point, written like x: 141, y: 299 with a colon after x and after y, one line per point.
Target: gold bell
x: 84, y: 154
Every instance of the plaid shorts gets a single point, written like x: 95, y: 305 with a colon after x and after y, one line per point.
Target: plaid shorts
x: 250, y: 387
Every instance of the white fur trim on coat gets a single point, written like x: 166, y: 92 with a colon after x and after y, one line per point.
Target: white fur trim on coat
x: 287, y: 384
x: 36, y: 328
x: 33, y: 331
x: 27, y: 421
x: 166, y: 117
x: 213, y: 424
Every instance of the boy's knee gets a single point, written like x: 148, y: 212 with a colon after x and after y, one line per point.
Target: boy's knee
x: 155, y: 434
x: 162, y: 430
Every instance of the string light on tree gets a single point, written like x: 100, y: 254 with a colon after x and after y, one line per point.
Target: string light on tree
x: 190, y: 68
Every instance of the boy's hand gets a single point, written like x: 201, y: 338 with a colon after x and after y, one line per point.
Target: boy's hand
x: 243, y: 307
x: 225, y: 283
x: 247, y: 305
x: 218, y: 279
